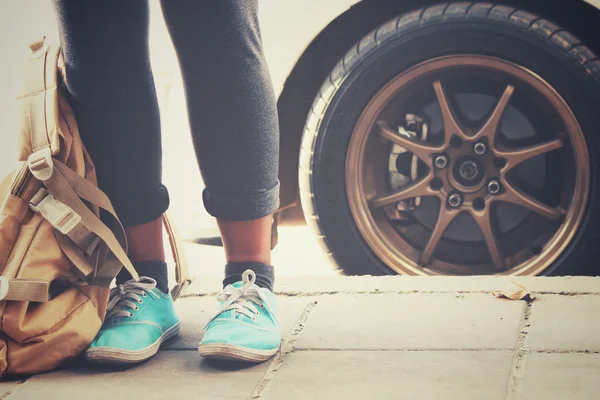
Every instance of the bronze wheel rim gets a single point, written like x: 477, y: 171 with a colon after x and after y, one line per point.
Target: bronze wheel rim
x: 475, y: 176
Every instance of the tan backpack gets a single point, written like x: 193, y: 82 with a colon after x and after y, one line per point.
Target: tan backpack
x: 57, y: 259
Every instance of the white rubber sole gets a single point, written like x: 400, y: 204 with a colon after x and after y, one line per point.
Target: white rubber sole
x: 109, y: 355
x: 218, y: 351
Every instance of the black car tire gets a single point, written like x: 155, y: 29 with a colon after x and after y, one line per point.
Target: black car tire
x: 474, y: 28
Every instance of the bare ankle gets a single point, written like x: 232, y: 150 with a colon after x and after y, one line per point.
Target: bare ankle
x: 146, y: 241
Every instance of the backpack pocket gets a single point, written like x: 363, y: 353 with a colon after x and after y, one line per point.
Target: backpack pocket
x: 41, y: 336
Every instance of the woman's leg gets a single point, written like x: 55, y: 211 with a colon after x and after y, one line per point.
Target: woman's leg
x: 111, y: 89
x: 233, y: 117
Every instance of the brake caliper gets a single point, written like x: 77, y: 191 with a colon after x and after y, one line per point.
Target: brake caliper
x: 403, y: 166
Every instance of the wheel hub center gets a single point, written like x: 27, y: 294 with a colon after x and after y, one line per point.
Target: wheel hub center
x: 468, y: 171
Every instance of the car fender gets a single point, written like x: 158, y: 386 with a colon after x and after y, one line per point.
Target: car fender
x: 288, y: 27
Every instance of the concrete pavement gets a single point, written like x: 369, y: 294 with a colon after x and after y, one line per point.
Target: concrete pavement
x: 387, y: 338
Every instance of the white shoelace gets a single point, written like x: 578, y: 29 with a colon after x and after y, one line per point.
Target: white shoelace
x: 127, y: 296
x: 244, y: 300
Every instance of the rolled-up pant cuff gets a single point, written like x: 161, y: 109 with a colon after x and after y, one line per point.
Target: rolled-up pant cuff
x: 142, y: 208
x: 242, y: 207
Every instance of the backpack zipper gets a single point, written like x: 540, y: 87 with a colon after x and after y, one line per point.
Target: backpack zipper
x: 21, y: 181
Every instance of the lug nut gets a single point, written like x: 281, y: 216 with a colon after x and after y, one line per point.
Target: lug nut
x: 494, y: 187
x: 479, y: 148
x: 455, y: 200
x: 441, y: 161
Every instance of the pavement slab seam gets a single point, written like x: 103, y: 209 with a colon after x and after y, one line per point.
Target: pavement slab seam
x: 372, y: 292
x: 402, y: 292
x: 398, y: 350
x: 559, y: 351
x: 515, y: 380
x: 568, y: 294
x: 286, y: 348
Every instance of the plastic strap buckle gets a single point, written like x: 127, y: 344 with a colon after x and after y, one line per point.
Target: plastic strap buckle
x: 39, y: 47
x: 60, y: 216
x: 40, y: 163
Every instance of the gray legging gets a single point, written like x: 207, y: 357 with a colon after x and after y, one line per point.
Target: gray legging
x: 230, y: 99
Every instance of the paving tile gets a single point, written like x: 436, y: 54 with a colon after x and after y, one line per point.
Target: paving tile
x: 195, y: 312
x: 412, y: 322
x: 561, y: 322
x: 391, y: 375
x: 9, y: 385
x: 180, y: 375
x: 562, y: 376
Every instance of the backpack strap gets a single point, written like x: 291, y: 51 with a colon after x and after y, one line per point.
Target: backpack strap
x: 42, y: 84
x: 181, y: 264
x: 24, y: 289
x: 69, y: 188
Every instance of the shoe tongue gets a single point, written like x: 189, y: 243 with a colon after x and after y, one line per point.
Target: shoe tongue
x: 237, y: 285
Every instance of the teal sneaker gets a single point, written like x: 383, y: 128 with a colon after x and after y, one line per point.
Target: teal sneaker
x: 139, y: 319
x: 246, y: 327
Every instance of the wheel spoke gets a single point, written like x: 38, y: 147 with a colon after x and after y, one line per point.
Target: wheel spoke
x: 514, y: 196
x: 445, y: 218
x: 516, y: 157
x: 490, y: 128
x: 483, y: 219
x: 450, y: 125
x: 419, y: 149
x: 418, y: 189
